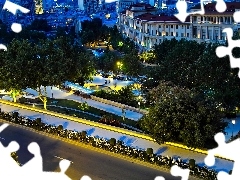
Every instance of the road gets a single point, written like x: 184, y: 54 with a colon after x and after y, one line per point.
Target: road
x: 84, y: 161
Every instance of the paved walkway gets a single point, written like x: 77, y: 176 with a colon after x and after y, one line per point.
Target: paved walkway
x: 59, y: 94
x: 129, y: 140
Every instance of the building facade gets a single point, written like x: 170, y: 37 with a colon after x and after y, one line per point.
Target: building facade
x: 141, y: 23
x: 209, y: 27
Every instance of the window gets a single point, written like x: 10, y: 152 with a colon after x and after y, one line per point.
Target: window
x: 166, y: 26
x: 156, y: 32
x: 187, y: 26
x: 171, y: 33
x: 182, y: 35
x: 166, y: 33
x: 159, y: 26
x: 176, y: 34
x: 176, y: 26
x: 187, y: 34
x: 182, y: 26
x: 171, y: 26
x: 160, y: 34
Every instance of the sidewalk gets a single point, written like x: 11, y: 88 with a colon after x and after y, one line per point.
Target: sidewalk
x: 59, y: 94
x: 220, y: 165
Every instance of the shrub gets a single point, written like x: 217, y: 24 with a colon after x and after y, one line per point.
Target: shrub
x: 112, y: 141
x: 60, y: 127
x: 120, y: 143
x: 149, y: 151
x: 38, y: 121
x: 22, y: 100
x: 83, y: 134
x: 192, y: 163
x: 15, y: 115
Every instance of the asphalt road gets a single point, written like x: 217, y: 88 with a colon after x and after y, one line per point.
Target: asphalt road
x: 84, y: 162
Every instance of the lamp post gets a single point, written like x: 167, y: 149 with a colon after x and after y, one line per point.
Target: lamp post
x: 123, y: 113
x: 139, y: 108
x: 233, y: 122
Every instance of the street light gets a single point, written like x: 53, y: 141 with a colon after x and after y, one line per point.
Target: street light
x: 123, y: 113
x: 233, y: 122
x: 119, y: 65
x: 139, y: 108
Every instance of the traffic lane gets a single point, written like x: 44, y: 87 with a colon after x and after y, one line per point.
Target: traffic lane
x: 84, y: 162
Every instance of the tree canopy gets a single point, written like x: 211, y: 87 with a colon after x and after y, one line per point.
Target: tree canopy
x: 181, y: 115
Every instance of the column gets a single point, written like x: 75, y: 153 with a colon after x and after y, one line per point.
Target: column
x: 212, y: 33
x: 206, y: 33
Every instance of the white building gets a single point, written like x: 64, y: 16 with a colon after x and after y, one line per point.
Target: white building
x: 142, y: 24
x: 208, y: 27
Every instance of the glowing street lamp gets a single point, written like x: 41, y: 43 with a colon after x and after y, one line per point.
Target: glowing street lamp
x: 119, y: 65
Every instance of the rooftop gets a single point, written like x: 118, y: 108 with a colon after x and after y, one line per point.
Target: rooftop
x: 210, y: 8
x: 151, y: 17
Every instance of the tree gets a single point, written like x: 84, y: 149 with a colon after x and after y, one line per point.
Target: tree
x: 132, y: 64
x: 107, y: 61
x: 40, y: 25
x: 181, y: 115
x: 15, y: 67
x: 217, y: 79
x: 161, y: 50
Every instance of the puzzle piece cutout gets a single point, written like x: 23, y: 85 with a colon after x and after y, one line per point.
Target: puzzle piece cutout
x: 182, y: 7
x: 13, y: 8
x: 227, y: 150
x: 222, y: 51
x: 33, y: 168
x: 159, y: 178
x: 177, y: 171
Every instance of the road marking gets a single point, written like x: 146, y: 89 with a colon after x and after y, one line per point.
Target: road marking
x: 62, y: 158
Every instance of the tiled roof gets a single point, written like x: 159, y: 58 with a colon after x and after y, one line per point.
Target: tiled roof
x: 151, y: 17
x: 211, y: 10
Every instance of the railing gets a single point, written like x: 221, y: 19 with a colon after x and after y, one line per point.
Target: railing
x: 117, y: 104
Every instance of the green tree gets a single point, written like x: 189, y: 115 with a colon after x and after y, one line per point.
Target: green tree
x: 132, y: 64
x: 107, y: 61
x: 215, y: 77
x: 161, y: 50
x: 40, y: 25
x: 182, y: 115
x: 14, y: 68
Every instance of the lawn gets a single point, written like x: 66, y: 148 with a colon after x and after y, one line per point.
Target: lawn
x: 92, y: 110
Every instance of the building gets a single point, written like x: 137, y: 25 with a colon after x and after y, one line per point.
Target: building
x: 124, y: 4
x: 208, y: 27
x: 141, y: 23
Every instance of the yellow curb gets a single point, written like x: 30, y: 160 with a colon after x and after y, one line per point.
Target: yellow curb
x: 86, y: 146
x: 106, y: 127
x: 80, y: 120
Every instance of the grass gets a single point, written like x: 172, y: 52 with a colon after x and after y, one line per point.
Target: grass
x: 71, y: 113
x: 74, y: 105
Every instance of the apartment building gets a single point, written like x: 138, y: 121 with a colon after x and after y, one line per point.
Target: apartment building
x: 141, y: 23
x: 146, y: 27
x: 209, y: 27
